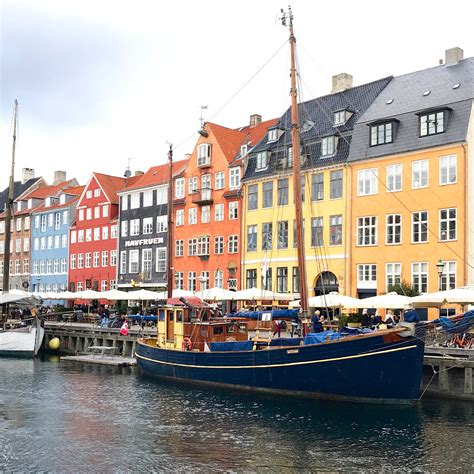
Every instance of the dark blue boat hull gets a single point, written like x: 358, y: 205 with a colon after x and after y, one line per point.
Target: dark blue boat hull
x: 365, y: 368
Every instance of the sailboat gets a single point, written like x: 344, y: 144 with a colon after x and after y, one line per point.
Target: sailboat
x: 23, y: 341
x: 193, y: 345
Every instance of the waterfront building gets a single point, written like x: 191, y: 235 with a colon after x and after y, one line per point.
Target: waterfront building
x: 412, y: 200
x: 50, y: 241
x: 93, y: 236
x: 142, y: 241
x: 207, y: 207
x: 27, y: 184
x: 20, y: 244
x: 269, y: 225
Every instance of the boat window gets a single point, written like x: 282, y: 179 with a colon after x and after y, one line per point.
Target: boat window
x: 218, y: 329
x: 242, y: 329
x: 179, y: 316
x: 203, y: 332
x: 171, y: 316
x: 230, y: 329
x: 161, y: 315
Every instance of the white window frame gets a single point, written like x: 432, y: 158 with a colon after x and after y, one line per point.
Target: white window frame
x: 419, y: 271
x: 394, y: 225
x: 363, y: 227
x: 448, y: 169
x: 179, y: 187
x: 219, y: 212
x: 420, y: 174
x: 367, y: 182
x: 393, y: 274
x: 204, y: 154
x: 419, y: 224
x: 234, y: 177
x: 447, y: 221
x: 394, y: 178
x: 219, y: 180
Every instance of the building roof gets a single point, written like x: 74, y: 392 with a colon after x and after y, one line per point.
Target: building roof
x: 403, y: 98
x: 157, y: 175
x: 42, y: 192
x: 319, y: 113
x: 113, y: 184
x: 253, y: 135
x: 18, y: 189
x: 228, y: 139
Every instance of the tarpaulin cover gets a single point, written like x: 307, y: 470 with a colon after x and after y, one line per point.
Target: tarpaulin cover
x: 231, y: 346
x: 276, y: 314
x: 318, y: 337
x: 346, y: 331
x: 138, y: 317
x: 286, y: 341
x: 463, y: 325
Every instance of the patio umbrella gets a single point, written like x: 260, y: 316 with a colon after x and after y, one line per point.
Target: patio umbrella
x: 390, y: 300
x: 330, y: 300
x: 143, y: 295
x: 462, y: 295
x: 87, y: 295
x: 257, y: 294
x: 216, y: 294
x: 115, y: 295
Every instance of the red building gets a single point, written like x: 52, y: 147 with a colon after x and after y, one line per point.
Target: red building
x: 93, y: 237
x: 207, y: 207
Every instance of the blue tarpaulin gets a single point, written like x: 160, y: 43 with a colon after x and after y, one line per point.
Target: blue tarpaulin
x: 138, y: 317
x: 458, y: 327
x: 276, y: 314
x: 286, y: 341
x: 318, y: 337
x: 231, y: 346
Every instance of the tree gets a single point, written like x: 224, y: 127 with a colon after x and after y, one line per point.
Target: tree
x: 403, y: 288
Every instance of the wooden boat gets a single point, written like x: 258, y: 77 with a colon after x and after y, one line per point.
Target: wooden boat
x: 193, y: 346
x: 23, y: 341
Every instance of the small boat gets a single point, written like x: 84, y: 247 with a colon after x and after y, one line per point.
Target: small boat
x: 23, y: 341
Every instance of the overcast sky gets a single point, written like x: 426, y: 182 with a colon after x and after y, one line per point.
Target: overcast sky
x: 101, y: 81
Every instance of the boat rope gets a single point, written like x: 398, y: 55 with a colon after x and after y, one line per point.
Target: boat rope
x: 437, y: 372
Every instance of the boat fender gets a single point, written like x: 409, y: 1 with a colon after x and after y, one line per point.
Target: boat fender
x: 410, y: 329
x: 187, y: 344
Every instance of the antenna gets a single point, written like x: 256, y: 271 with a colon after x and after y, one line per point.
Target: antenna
x: 128, y: 173
x: 201, y: 118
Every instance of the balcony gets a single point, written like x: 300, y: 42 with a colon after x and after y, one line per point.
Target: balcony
x: 202, y: 197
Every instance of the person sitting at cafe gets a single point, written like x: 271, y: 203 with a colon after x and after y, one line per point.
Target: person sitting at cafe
x: 365, y: 318
x: 389, y: 318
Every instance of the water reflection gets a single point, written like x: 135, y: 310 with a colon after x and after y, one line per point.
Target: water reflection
x: 66, y: 417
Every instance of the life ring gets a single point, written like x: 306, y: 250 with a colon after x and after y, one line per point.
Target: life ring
x: 187, y: 344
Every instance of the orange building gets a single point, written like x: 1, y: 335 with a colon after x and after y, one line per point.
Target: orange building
x: 207, y: 207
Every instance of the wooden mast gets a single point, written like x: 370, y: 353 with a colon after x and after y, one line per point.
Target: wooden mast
x: 169, y: 250
x: 9, y: 210
x: 295, y: 139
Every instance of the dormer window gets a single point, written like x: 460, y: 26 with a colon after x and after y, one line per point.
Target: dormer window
x: 47, y: 202
x: 328, y: 146
x: 204, y: 154
x: 88, y: 194
x: 432, y: 123
x: 262, y: 161
x: 30, y: 203
x: 19, y: 205
x: 340, y: 117
x: 381, y: 133
x: 243, y: 150
x: 273, y: 135
x: 62, y: 199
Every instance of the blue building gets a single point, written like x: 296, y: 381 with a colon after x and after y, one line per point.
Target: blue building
x: 49, y: 237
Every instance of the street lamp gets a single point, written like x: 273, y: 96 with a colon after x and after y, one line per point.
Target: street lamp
x: 440, y: 267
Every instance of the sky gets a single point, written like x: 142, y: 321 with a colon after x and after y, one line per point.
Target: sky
x: 103, y: 84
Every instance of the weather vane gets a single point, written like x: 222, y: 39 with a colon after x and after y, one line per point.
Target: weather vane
x: 201, y: 118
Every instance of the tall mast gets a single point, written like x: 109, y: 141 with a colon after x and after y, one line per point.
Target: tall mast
x: 169, y: 250
x: 287, y: 18
x: 9, y: 210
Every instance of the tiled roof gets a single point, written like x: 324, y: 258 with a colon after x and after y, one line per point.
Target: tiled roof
x: 112, y: 184
x: 74, y: 191
x: 229, y: 139
x: 320, y: 112
x: 157, y: 175
x: 43, y: 192
x: 18, y: 189
x: 57, y: 205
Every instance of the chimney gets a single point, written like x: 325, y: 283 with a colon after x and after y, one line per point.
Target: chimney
x: 255, y: 119
x: 26, y: 174
x: 139, y: 173
x: 59, y: 177
x: 341, y: 82
x: 453, y: 55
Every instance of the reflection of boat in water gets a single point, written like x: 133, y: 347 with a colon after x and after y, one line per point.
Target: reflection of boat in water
x: 23, y: 341
x: 193, y: 346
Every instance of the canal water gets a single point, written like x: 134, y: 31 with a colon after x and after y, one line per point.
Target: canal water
x: 61, y: 416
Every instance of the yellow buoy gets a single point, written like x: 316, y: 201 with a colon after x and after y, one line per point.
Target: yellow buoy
x: 54, y: 344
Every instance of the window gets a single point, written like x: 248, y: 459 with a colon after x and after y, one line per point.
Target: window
x: 447, y: 169
x: 192, y: 184
x: 162, y: 195
x: 81, y: 214
x: 203, y: 245
x: 2, y: 246
x: 204, y: 154
x: 148, y: 198
x: 381, y: 134
x: 420, y: 174
x: 393, y: 273
x: 448, y: 277
x: 103, y: 285
x: 80, y: 286
x: 89, y: 194
x: 148, y: 225
x: 97, y: 192
x: 419, y: 276
x: 43, y: 223
x: 219, y: 180
x: 447, y: 224
x: 328, y: 146
x: 27, y: 222
x: 204, y: 280
x: 192, y: 281
x: 179, y: 280
x: 41, y: 266
x: 367, y: 230
x: 267, y: 236
x: 64, y: 241
x: 419, y: 227
x: 161, y: 224
x: 251, y: 274
x: 179, y: 249
x: 134, y: 227
x: 282, y: 199
x: 97, y: 233
x: 124, y: 203
x: 113, y: 258
x: 219, y: 278
x: 134, y: 200
x: 234, y: 178
x: 252, y: 202
x: 80, y: 260
x: 26, y: 265
x: 113, y: 232
x: 219, y: 212
x: 105, y: 211
x: 262, y: 162
x: 282, y: 234
x: 133, y: 261
x: 179, y: 217
x: 272, y: 136
x: 219, y: 245
x: 335, y: 230
x: 367, y: 182
x: 50, y: 219
x: 89, y: 214
x: 179, y: 188
x: 96, y: 259
x: 233, y: 246
x: 233, y: 210
x: 73, y: 261
x: 192, y: 215
x: 295, y: 280
x: 335, y: 184
x: 394, y: 178
x: 105, y: 233
x: 205, y: 214
x: 267, y: 279
x: 340, y: 117
x: 267, y: 194
x: 88, y: 259
x: 251, y: 238
x: 96, y: 212
x: 105, y: 258
x: 394, y: 229
x: 147, y: 255
x: 282, y: 279
x: 124, y: 228
x: 317, y: 187
x: 366, y: 273
x: 123, y: 262
x: 73, y: 236
x: 50, y: 242
x: 317, y: 239
x: 432, y: 123
x: 206, y: 187
x: 37, y: 224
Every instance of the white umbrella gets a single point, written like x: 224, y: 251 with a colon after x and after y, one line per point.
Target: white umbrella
x: 179, y: 293
x: 87, y: 295
x: 461, y: 295
x: 216, y: 294
x: 330, y: 300
x: 143, y: 295
x: 115, y: 295
x: 390, y: 300
x: 257, y: 294
x: 11, y: 297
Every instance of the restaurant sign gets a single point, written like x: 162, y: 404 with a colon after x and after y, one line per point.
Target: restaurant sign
x: 140, y: 242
